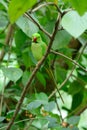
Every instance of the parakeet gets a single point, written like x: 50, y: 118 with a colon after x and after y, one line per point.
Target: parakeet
x: 38, y: 48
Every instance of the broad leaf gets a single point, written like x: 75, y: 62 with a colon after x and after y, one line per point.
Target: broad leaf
x: 73, y: 120
x: 17, y: 8
x: 3, y: 20
x: 3, y: 2
x: 75, y: 24
x: 80, y: 6
x: 41, y: 99
x: 2, y: 118
x: 50, y: 106
x: 62, y: 39
x: 52, y: 122
x: 12, y: 74
x: 34, y: 105
x: 41, y: 78
x: 75, y: 87
x: 25, y: 77
x: 40, y: 124
x: 27, y: 26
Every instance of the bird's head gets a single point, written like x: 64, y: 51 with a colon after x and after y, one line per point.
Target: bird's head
x: 36, y: 37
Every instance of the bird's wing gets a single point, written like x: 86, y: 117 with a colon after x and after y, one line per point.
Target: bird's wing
x: 36, y: 51
x: 44, y: 48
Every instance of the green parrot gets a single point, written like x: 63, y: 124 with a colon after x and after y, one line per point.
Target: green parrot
x: 38, y: 48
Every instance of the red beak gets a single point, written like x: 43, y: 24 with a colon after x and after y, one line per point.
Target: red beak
x: 34, y: 39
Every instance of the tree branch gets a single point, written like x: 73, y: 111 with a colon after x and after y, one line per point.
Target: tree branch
x: 38, y: 25
x: 73, y: 61
x: 73, y: 68
x: 7, y: 40
x: 58, y: 108
x: 34, y: 73
x: 45, y: 4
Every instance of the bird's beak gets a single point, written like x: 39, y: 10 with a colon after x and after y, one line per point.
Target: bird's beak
x: 34, y: 39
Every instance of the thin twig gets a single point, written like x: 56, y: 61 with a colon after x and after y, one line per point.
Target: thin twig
x: 27, y: 127
x: 46, y: 4
x: 34, y: 73
x: 8, y: 36
x: 73, y: 68
x: 8, y: 42
x: 58, y: 108
x: 50, y: 73
x: 78, y: 110
x: 38, y: 25
x: 25, y: 120
x: 82, y: 82
x: 2, y: 95
x: 73, y: 61
x: 35, y: 5
x: 20, y: 122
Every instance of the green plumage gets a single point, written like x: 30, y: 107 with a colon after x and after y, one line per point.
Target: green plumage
x: 38, y: 47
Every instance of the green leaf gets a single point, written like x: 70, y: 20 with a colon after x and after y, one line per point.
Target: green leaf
x: 65, y: 129
x: 75, y: 87
x: 52, y: 122
x: 2, y: 118
x: 83, y: 38
x: 80, y: 6
x: 73, y: 120
x: 60, y: 74
x: 27, y: 26
x: 4, y: 3
x: 50, y: 106
x: 75, y: 128
x: 40, y: 124
x: 28, y: 57
x: 42, y: 96
x: 17, y: 8
x: 12, y: 74
x: 41, y: 78
x: 34, y: 105
x: 75, y: 24
x: 62, y: 39
x: 10, y: 114
x: 25, y: 77
x: 41, y: 99
x: 3, y: 20
x: 20, y: 39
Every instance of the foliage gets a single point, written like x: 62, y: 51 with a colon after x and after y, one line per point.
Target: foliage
x: 42, y: 107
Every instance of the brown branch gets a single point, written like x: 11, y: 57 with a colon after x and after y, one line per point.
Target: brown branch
x: 7, y: 40
x: 34, y: 73
x: 73, y: 61
x: 67, y: 78
x: 80, y: 81
x: 45, y: 4
x: 38, y: 25
x: 35, y: 5
x: 81, y: 110
x: 77, y: 111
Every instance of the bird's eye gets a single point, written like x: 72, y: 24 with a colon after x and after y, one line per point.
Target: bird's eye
x: 34, y: 39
